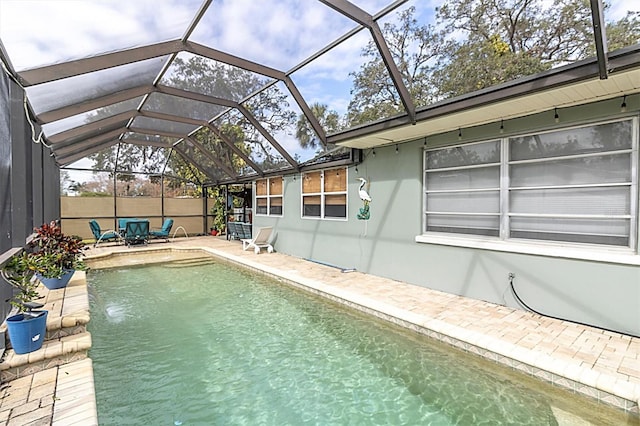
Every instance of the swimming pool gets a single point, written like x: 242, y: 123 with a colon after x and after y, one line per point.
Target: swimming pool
x: 215, y: 344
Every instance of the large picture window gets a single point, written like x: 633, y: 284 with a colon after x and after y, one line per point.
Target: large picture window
x: 269, y: 196
x: 576, y: 185
x: 324, y: 194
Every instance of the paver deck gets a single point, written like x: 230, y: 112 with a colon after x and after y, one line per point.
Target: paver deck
x: 599, y: 364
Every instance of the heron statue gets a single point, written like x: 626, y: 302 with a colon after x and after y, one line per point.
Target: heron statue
x: 364, y: 196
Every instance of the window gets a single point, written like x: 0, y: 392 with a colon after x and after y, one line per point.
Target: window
x: 576, y: 185
x: 324, y: 194
x: 269, y: 196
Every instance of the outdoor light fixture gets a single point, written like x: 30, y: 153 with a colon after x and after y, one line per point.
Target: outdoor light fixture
x: 356, y: 169
x: 459, y: 134
x: 555, y: 115
x: 373, y: 152
x: 396, y: 148
x: 623, y: 107
x: 501, y: 126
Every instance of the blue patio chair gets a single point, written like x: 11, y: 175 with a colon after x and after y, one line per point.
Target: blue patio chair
x: 102, y: 236
x: 246, y: 231
x: 164, y: 231
x: 137, y: 232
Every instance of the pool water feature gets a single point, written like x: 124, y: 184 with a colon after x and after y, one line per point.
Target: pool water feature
x: 217, y: 344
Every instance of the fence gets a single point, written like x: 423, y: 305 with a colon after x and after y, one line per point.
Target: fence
x: 189, y: 213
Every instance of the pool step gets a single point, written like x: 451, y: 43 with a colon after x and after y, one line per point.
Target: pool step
x: 52, y: 354
x: 198, y: 261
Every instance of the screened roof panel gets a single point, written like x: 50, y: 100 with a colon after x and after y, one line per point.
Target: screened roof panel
x: 210, y: 77
x: 89, y: 117
x: 80, y: 134
x: 153, y: 124
x: 371, y: 6
x: 327, y: 80
x: 275, y: 33
x: 281, y: 118
x: 152, y: 160
x: 266, y: 158
x: 57, y: 94
x: 204, y: 158
x: 135, y: 137
x: 198, y: 110
x: 43, y: 32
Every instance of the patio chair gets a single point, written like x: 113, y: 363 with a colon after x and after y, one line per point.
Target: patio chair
x: 137, y: 232
x: 259, y: 241
x: 100, y: 236
x: 246, y: 230
x: 232, y: 231
x: 164, y: 231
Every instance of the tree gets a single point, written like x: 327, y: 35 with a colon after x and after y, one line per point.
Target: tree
x: 66, y: 183
x: 556, y: 34
x: 484, y: 63
x: 508, y: 39
x: 482, y: 43
x: 130, y: 157
x: 624, y: 32
x: 415, y: 49
x: 329, y: 120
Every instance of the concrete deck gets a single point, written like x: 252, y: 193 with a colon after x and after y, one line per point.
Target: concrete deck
x: 601, y: 365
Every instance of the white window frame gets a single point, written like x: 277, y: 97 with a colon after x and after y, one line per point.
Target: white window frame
x: 268, y: 197
x: 322, y: 194
x: 590, y: 251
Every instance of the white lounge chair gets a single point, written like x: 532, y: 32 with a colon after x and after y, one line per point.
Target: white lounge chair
x: 259, y: 241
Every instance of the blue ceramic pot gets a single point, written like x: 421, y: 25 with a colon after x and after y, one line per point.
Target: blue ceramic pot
x: 26, y: 332
x: 56, y: 283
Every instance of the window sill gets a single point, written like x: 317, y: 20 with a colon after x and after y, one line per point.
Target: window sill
x: 333, y: 219
x: 608, y: 255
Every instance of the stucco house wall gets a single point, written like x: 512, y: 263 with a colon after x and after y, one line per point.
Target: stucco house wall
x: 592, y: 285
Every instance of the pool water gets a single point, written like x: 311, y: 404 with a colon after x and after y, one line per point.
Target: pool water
x: 215, y: 344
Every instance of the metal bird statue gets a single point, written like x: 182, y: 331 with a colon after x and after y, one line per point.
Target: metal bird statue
x: 364, y: 196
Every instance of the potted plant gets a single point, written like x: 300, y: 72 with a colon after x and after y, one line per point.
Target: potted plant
x: 56, y: 255
x: 27, y: 328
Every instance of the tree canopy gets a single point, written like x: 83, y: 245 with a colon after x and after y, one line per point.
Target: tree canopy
x: 477, y: 44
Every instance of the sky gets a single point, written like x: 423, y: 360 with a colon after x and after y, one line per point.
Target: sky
x: 277, y: 33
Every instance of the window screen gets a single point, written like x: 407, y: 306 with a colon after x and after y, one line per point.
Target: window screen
x: 575, y: 185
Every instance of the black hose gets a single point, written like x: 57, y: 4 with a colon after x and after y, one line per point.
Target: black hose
x: 519, y: 299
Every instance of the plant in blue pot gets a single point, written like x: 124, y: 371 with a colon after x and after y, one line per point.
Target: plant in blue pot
x: 28, y: 326
x: 57, y: 255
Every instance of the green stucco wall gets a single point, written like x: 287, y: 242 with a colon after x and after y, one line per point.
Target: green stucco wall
x: 599, y: 293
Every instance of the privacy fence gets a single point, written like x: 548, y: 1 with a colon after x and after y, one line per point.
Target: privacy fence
x: 190, y: 215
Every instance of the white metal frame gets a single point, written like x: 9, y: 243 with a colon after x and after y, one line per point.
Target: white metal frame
x: 505, y: 189
x: 322, y: 195
x: 268, y: 197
